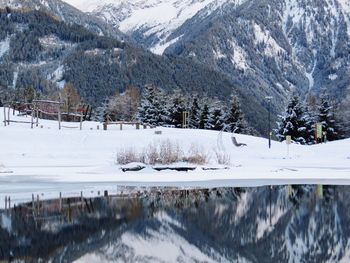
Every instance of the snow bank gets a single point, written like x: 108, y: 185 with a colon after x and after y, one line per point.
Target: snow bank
x: 46, y: 160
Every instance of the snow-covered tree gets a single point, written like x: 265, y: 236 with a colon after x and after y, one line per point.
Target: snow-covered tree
x: 125, y: 106
x: 308, y: 130
x: 177, y: 105
x: 343, y: 114
x: 152, y: 109
x: 101, y: 112
x: 234, y: 119
x: 195, y: 113
x: 326, y: 117
x: 295, y: 122
x: 204, y: 117
x: 216, y: 116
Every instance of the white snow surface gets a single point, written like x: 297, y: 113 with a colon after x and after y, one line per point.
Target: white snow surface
x: 46, y: 161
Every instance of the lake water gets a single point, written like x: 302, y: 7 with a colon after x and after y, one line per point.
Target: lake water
x: 280, y: 224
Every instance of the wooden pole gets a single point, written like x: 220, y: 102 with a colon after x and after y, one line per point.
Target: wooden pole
x: 121, y: 126
x: 4, y: 116
x: 270, y: 205
x: 59, y: 117
x: 37, y: 117
x: 9, y: 200
x: 81, y: 121
x: 32, y: 118
x: 8, y: 115
x: 5, y: 203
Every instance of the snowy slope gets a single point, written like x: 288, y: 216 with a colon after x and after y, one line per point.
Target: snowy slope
x: 46, y: 160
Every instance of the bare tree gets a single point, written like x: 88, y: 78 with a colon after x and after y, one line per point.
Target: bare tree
x: 124, y: 106
x: 70, y: 97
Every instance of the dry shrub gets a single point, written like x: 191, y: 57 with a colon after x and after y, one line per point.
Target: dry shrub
x: 197, y: 155
x: 222, y: 157
x: 164, y: 152
x: 152, y: 155
x: 127, y: 155
x: 169, y: 152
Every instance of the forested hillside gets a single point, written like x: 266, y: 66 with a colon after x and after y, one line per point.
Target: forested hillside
x: 40, y: 51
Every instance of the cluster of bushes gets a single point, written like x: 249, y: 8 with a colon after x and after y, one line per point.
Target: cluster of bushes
x: 168, y: 152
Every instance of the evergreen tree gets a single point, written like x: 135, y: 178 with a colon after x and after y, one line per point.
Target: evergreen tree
x: 204, y: 118
x: 176, y: 108
x: 216, y: 116
x: 101, y: 112
x: 152, y: 108
x: 308, y: 130
x: 195, y: 113
x: 296, y: 122
x: 234, y: 119
x: 326, y: 117
x: 343, y: 115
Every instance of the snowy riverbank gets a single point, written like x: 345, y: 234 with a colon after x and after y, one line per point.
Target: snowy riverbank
x: 47, y: 160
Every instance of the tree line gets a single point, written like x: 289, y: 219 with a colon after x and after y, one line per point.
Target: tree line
x: 160, y: 108
x: 300, y: 118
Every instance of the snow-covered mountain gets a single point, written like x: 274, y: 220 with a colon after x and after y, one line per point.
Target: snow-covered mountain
x: 268, y: 48
x: 151, y: 21
x: 65, y: 12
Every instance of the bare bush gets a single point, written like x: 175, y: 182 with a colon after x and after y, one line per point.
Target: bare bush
x: 152, y: 155
x: 197, y: 155
x: 164, y: 152
x: 127, y: 155
x: 222, y: 157
x: 169, y: 152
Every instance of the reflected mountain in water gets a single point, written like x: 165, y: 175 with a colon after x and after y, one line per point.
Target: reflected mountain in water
x: 279, y: 224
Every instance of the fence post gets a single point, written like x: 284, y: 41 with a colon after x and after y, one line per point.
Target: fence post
x: 8, y: 115
x: 5, y: 203
x: 37, y: 118
x: 32, y: 117
x: 4, y: 116
x: 59, y: 116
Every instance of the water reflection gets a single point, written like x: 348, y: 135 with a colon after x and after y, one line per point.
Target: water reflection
x: 279, y: 224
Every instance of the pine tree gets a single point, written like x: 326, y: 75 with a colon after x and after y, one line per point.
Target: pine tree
x: 194, y: 116
x: 101, y: 112
x: 326, y: 117
x: 176, y: 108
x: 152, y: 108
x: 308, y: 130
x: 234, y: 119
x: 343, y: 115
x: 296, y: 122
x: 204, y: 118
x: 216, y: 116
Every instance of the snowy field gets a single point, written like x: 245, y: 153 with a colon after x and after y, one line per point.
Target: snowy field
x: 45, y: 161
